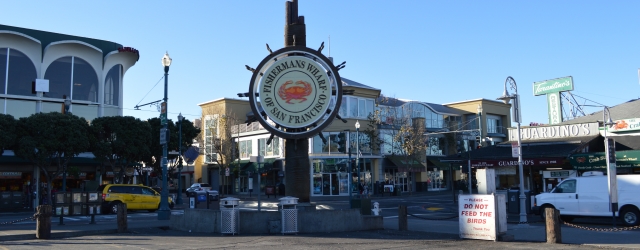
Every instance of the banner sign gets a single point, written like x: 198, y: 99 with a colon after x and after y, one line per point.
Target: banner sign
x: 514, y: 162
x: 553, y: 85
x: 555, y: 108
x: 555, y: 132
x: 10, y: 175
x: 477, y: 217
x: 598, y: 160
x: 625, y: 125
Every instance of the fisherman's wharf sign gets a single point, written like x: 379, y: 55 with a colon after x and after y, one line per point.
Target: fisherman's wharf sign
x: 295, y: 92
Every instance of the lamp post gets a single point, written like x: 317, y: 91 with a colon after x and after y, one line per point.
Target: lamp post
x: 179, y: 199
x: 611, y: 163
x: 358, y: 150
x: 349, y: 167
x: 164, y: 213
x: 517, y: 118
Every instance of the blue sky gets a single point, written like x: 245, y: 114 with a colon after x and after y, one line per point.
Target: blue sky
x: 432, y: 51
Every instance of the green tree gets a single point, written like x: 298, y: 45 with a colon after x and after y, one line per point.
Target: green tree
x: 189, y: 132
x: 51, y: 140
x: 7, y: 132
x: 120, y: 142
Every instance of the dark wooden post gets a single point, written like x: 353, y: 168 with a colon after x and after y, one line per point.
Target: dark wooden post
x: 43, y: 222
x: 554, y: 234
x: 122, y: 218
x: 298, y: 170
x: 402, y: 218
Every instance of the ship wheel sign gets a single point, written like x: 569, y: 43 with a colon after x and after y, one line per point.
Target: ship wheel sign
x: 295, y: 92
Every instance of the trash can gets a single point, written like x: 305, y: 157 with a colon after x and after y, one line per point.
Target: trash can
x: 365, y: 206
x: 513, y: 204
x: 289, y: 214
x: 229, y: 213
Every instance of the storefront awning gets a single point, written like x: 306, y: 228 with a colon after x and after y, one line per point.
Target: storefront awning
x: 247, y: 166
x: 597, y: 160
x: 407, y: 164
x: 545, y: 162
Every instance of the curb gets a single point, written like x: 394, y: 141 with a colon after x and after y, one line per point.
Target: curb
x: 58, y: 235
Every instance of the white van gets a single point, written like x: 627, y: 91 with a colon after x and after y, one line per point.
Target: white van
x: 589, y: 196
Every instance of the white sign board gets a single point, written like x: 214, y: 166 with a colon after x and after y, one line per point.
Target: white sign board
x: 514, y: 149
x: 226, y: 172
x: 477, y: 217
x: 42, y: 85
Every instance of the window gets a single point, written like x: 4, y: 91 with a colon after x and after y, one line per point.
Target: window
x: 343, y: 107
x: 357, y: 107
x: 272, y: 149
x: 436, y: 146
x: 494, y: 124
x: 72, y: 75
x: 336, y: 143
x: 210, y: 136
x: 568, y: 186
x: 21, y: 72
x: 85, y: 81
x: 245, y: 149
x: 112, y: 86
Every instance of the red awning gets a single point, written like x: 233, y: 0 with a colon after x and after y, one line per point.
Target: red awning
x: 514, y: 162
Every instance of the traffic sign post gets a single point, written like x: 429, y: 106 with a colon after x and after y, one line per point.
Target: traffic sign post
x: 163, y: 113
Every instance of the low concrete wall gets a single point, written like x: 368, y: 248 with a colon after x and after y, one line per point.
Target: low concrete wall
x: 254, y: 222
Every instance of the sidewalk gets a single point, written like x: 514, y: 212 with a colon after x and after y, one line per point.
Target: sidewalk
x: 71, y: 229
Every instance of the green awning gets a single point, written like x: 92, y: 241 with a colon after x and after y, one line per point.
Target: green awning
x: 443, y: 165
x: 246, y: 166
x: 597, y: 160
x: 407, y: 164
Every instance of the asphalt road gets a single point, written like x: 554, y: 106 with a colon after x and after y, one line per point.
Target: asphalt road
x: 156, y: 238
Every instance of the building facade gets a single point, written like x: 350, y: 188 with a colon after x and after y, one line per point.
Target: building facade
x: 349, y: 157
x: 87, y: 72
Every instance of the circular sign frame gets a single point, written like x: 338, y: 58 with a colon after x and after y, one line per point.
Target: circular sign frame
x: 295, y: 92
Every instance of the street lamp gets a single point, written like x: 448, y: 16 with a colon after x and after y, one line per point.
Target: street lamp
x: 164, y: 213
x: 179, y: 199
x: 349, y: 167
x: 517, y: 118
x: 358, y: 150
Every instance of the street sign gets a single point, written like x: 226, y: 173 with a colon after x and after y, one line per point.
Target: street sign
x: 515, y: 150
x: 226, y: 172
x: 147, y: 169
x: 163, y: 113
x: 163, y: 136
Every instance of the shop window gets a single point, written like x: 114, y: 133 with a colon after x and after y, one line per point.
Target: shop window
x: 85, y: 81
x: 112, y: 86
x: 21, y: 72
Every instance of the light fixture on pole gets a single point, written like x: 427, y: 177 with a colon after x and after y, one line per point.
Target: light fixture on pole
x: 517, y: 118
x: 179, y: 199
x: 610, y: 148
x: 358, y: 150
x: 164, y: 213
x: 349, y: 168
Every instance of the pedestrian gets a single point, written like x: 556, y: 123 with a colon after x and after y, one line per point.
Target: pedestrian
x: 366, y: 191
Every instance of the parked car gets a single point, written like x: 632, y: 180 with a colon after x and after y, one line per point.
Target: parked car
x: 202, y: 188
x: 137, y: 197
x: 589, y: 196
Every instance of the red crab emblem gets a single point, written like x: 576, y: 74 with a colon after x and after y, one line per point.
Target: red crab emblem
x: 581, y: 160
x: 301, y: 90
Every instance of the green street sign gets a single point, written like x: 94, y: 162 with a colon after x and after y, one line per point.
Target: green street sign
x: 163, y: 119
x: 553, y: 85
x: 598, y: 160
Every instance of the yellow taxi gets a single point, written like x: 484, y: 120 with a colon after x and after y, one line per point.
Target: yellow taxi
x: 137, y: 197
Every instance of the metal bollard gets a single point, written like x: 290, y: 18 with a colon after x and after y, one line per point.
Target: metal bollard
x: 93, y: 215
